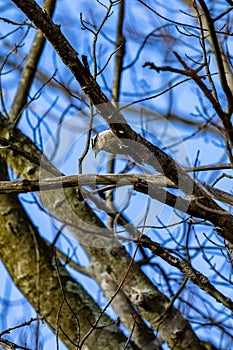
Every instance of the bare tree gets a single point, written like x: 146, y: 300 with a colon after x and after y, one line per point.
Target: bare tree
x: 131, y: 249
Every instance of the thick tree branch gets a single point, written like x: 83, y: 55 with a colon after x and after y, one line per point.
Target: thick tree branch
x: 115, y: 119
x: 19, y: 241
x: 91, y: 232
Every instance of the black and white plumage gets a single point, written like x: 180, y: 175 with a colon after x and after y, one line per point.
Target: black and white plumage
x: 108, y: 142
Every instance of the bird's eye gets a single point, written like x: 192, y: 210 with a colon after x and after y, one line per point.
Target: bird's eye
x: 93, y: 141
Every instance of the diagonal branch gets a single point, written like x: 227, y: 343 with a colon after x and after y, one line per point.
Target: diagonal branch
x: 29, y: 70
x: 218, y: 56
x: 151, y: 154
